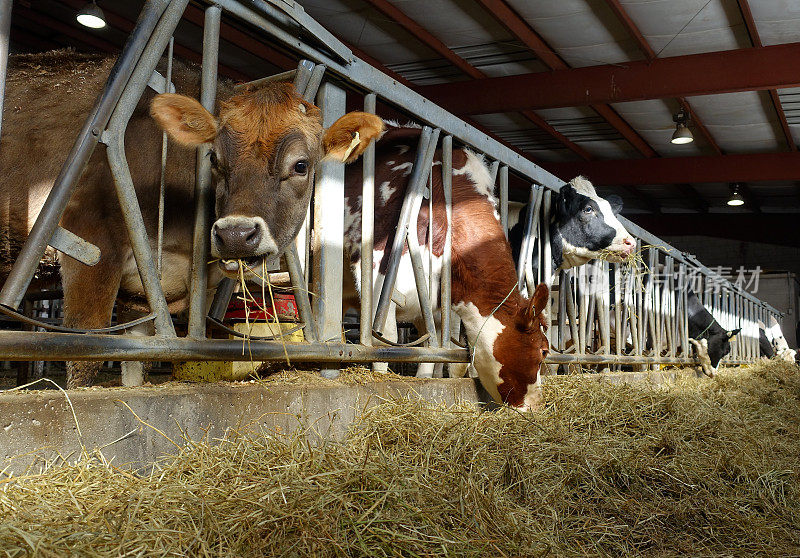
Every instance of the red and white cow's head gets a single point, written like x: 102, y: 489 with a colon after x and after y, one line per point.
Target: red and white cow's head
x: 510, y: 348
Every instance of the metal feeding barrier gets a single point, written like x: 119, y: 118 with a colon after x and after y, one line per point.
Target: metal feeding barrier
x: 607, y: 314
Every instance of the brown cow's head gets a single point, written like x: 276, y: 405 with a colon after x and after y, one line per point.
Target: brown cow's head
x: 510, y: 346
x: 266, y: 143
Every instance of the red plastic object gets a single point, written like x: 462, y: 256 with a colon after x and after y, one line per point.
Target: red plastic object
x: 285, y: 308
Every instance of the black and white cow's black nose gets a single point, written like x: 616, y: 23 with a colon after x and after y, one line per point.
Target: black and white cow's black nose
x: 237, y: 238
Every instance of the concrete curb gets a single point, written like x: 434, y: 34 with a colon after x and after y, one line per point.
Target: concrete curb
x: 38, y: 427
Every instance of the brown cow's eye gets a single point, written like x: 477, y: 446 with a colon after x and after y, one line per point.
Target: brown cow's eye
x: 301, y: 167
x: 213, y: 158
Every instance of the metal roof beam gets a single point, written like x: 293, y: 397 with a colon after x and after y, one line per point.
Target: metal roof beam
x: 518, y: 27
x: 429, y: 40
x: 727, y: 71
x: 746, y: 167
x: 755, y: 38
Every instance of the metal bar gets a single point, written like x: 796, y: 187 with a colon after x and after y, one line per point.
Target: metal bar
x: 50, y: 214
x: 300, y: 287
x: 75, y: 247
x: 546, y: 266
x: 256, y: 83
x: 415, y: 250
x: 504, y: 198
x: 530, y: 280
x: 5, y: 28
x: 413, y: 190
x: 329, y: 230
x: 202, y: 190
x: 367, y: 232
x: 162, y: 186
x: 447, y: 256
x: 604, y: 309
x: 222, y: 298
x: 23, y: 345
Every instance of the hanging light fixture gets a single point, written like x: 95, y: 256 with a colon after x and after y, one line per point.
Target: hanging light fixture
x: 682, y: 133
x: 736, y: 198
x: 92, y: 16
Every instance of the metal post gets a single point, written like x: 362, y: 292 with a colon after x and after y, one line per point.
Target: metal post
x: 202, y: 189
x: 504, y: 198
x: 34, y: 248
x: 5, y: 28
x: 162, y: 185
x: 446, y: 280
x: 367, y: 232
x: 329, y: 230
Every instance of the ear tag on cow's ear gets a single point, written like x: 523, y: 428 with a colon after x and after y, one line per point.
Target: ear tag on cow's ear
x: 352, y: 146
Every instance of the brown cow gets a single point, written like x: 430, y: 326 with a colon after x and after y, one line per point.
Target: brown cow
x: 504, y: 329
x: 266, y: 143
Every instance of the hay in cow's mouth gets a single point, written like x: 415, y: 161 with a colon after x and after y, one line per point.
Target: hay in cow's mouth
x: 234, y: 265
x: 706, y: 468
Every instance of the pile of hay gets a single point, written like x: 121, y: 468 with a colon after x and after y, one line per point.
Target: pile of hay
x: 707, y: 467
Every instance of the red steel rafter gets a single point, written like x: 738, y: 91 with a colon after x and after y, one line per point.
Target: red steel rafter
x: 428, y: 39
x: 518, y: 27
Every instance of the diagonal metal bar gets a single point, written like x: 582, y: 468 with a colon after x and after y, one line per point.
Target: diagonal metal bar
x: 414, y: 189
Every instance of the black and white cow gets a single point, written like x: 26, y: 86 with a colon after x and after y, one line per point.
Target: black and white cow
x: 778, y: 343
x: 764, y: 345
x: 583, y: 227
x: 711, y: 341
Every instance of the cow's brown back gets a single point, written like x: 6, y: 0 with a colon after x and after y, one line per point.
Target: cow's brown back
x: 48, y: 98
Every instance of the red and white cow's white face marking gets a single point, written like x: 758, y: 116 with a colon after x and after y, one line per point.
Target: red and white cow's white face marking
x: 509, y: 348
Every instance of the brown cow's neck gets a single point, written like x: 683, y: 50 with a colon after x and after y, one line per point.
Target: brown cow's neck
x: 483, y: 271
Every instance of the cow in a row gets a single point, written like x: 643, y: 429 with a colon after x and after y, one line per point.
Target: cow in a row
x: 583, y: 226
x: 773, y: 344
x: 505, y: 330
x: 265, y: 143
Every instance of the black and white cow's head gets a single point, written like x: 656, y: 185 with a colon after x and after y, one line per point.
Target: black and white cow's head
x: 779, y: 343
x: 585, y: 226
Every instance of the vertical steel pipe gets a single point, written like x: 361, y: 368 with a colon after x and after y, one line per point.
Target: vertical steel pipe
x: 504, y: 198
x: 203, y: 191
x: 367, y: 232
x: 329, y: 229
x: 447, y: 257
x: 162, y: 185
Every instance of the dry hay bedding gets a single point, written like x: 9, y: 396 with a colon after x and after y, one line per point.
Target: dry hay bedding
x: 705, y: 468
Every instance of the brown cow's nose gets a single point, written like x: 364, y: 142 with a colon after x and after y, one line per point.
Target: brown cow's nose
x: 237, y: 241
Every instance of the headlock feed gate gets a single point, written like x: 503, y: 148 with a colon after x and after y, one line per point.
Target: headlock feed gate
x: 606, y: 313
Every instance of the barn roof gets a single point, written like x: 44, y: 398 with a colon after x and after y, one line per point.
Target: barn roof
x: 745, y: 118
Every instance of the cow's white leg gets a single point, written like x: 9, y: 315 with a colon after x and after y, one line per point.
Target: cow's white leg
x: 134, y: 373
x: 459, y: 369
x: 389, y: 332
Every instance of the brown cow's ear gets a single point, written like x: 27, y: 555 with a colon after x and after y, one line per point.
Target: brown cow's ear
x: 184, y: 119
x: 531, y: 313
x: 349, y: 136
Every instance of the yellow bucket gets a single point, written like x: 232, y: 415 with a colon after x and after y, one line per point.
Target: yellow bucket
x: 212, y: 371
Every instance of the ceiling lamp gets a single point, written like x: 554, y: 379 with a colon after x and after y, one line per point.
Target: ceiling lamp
x: 736, y: 199
x: 92, y: 16
x: 682, y: 133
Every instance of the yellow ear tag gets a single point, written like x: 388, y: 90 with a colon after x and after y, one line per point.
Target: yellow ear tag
x: 352, y: 146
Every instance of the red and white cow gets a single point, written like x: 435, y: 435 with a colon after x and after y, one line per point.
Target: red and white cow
x: 504, y: 329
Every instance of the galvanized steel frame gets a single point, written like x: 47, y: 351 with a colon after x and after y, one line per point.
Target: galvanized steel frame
x: 651, y: 314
